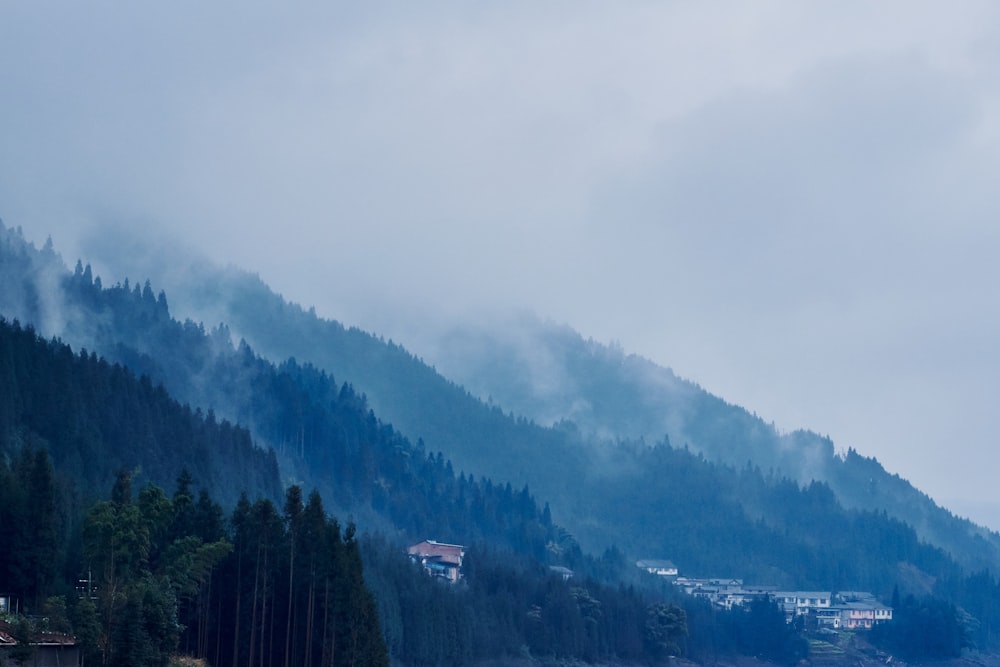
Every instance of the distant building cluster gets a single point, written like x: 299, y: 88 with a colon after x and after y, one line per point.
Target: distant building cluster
x: 834, y: 610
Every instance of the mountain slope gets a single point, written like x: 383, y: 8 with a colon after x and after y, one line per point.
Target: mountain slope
x: 550, y: 375
x: 326, y: 434
x: 609, y: 393
x: 654, y: 500
x: 94, y: 419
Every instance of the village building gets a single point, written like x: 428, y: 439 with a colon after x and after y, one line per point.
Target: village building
x: 439, y: 559
x: 663, y: 568
x: 800, y: 603
x: 50, y: 649
x: 864, y: 614
x: 828, y: 617
x: 707, y: 587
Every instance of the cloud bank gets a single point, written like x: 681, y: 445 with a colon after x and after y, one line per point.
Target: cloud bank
x: 792, y: 205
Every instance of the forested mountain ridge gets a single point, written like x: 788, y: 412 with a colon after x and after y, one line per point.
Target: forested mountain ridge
x: 155, y: 573
x: 95, y: 418
x: 326, y: 434
x: 170, y: 573
x: 548, y: 375
x: 549, y: 372
x: 323, y: 433
x: 658, y: 500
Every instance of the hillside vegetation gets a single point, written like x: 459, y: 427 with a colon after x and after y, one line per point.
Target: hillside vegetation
x: 450, y: 467
x: 553, y: 408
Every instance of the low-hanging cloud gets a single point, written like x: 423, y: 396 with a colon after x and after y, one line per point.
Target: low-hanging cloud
x: 790, y: 204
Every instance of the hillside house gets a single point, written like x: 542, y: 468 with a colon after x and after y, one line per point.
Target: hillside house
x: 51, y: 649
x: 740, y: 598
x: 864, y: 614
x: 828, y: 617
x: 800, y: 603
x: 438, y: 559
x: 697, y: 587
x: 662, y: 568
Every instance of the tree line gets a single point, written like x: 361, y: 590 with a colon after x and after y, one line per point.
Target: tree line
x: 95, y: 417
x: 159, y: 575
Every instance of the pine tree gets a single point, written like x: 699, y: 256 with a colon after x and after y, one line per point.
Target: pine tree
x: 293, y: 521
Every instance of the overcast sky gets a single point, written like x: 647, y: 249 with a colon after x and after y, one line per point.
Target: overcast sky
x: 793, y: 204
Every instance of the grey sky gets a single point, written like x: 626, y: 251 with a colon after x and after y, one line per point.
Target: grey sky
x: 793, y: 204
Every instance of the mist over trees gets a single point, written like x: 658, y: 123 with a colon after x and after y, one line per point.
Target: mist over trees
x: 538, y: 374
x: 143, y: 402
x: 93, y: 418
x: 167, y: 573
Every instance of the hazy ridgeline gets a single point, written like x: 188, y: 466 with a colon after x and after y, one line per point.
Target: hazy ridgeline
x: 410, y: 455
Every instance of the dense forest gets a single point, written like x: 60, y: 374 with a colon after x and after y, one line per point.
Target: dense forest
x: 170, y: 573
x: 166, y: 574
x: 531, y: 374
x: 147, y: 394
x: 94, y: 418
x: 158, y: 575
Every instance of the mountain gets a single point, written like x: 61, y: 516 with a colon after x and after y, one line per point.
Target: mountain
x: 535, y: 403
x: 92, y: 415
x: 550, y: 373
x: 95, y: 419
x: 626, y: 497
x: 159, y: 571
x: 323, y: 434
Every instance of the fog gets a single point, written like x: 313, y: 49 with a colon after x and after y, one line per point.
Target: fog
x: 792, y: 205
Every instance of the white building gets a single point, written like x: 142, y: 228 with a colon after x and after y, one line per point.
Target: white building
x: 663, y: 568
